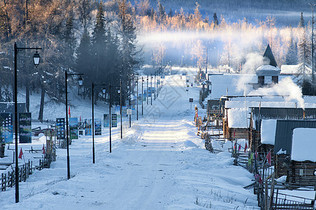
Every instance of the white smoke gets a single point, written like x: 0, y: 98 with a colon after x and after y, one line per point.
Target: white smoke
x: 286, y: 88
x: 253, y: 61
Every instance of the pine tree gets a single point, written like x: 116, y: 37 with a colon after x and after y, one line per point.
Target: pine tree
x: 128, y: 46
x: 84, y: 9
x: 99, y: 46
x: 215, y: 19
x: 301, y: 23
x: 84, y: 58
x: 170, y: 14
x: 161, y: 12
x: 4, y: 26
x: 70, y: 41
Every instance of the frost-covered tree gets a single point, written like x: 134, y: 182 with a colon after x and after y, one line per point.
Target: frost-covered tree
x: 291, y: 56
x: 304, y: 53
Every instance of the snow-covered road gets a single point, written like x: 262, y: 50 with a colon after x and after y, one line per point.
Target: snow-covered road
x: 159, y: 164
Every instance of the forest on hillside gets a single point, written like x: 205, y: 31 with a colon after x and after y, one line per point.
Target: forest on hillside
x: 109, y: 41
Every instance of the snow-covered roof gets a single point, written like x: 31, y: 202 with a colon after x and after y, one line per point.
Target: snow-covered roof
x: 266, y: 104
x: 294, y: 69
x: 268, y: 128
x: 268, y: 70
x: 238, y: 118
x: 227, y: 84
x: 304, y: 144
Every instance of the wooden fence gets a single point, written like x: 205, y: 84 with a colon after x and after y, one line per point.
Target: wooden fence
x: 25, y: 170
x: 284, y: 201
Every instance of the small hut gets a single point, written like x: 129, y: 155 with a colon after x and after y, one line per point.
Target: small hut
x: 294, y: 149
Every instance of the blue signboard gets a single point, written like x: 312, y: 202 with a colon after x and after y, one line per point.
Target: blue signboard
x: 60, y: 127
x: 106, y: 119
x: 87, y: 128
x: 73, y: 126
x: 6, y: 128
x: 97, y: 127
x: 114, y: 120
x: 25, y: 127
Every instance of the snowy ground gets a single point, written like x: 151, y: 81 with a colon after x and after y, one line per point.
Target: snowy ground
x: 159, y: 164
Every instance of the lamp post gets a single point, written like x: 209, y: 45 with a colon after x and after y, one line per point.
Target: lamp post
x: 92, y: 105
x: 130, y: 103
x: 158, y: 79
x: 93, y: 123
x: 36, y: 60
x: 110, y: 119
x: 80, y: 82
x: 147, y: 90
x: 151, y: 90
x: 142, y: 96
x: 110, y: 114
x: 137, y: 97
x: 312, y: 53
x: 121, y: 108
x: 155, y: 82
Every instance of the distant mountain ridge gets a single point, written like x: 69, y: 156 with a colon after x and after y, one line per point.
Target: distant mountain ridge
x: 286, y: 12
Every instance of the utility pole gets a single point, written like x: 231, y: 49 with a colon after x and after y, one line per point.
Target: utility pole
x: 110, y: 119
x: 137, y: 97
x: 206, y: 62
x: 313, y: 67
x: 129, y: 101
x: 147, y: 90
x: 142, y: 96
x: 155, y: 81
x: 92, y: 105
x: 121, y: 108
x: 151, y: 89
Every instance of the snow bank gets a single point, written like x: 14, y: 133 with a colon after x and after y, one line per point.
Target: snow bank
x: 238, y: 118
x: 304, y: 144
x: 189, y: 143
x: 268, y: 128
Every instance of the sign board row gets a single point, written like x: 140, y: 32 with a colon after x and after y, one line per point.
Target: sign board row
x: 6, y: 128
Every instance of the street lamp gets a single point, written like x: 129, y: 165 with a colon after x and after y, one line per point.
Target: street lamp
x: 312, y: 51
x: 130, y: 102
x: 80, y: 82
x: 36, y: 61
x: 151, y: 90
x: 137, y: 97
x: 142, y: 96
x: 147, y: 90
x: 93, y: 124
x: 121, y: 108
x: 110, y: 115
x: 155, y: 83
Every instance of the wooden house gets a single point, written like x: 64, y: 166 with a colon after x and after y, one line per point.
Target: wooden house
x: 264, y: 117
x: 294, y: 150
x: 236, y: 124
x: 267, y: 74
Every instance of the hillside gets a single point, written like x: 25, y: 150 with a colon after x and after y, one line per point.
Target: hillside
x: 286, y: 12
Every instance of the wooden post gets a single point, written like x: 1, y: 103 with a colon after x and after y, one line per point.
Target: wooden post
x: 276, y: 199
x: 272, y: 191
